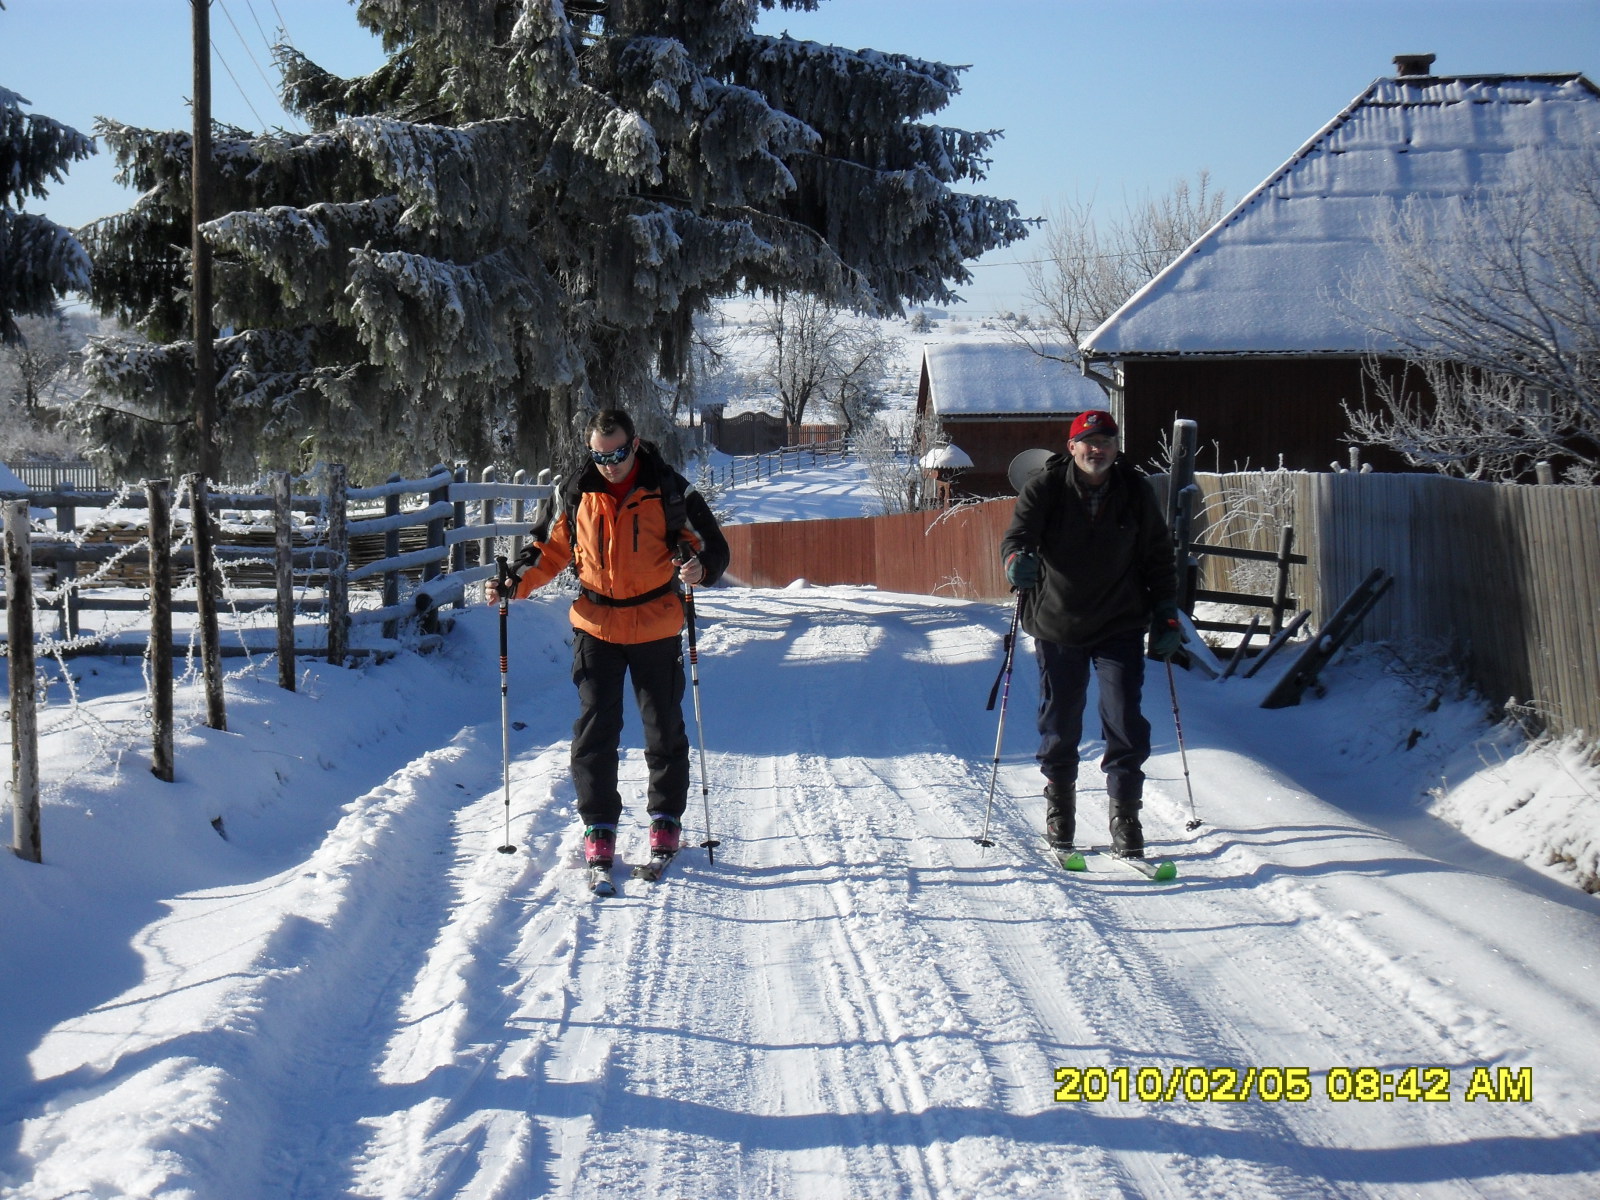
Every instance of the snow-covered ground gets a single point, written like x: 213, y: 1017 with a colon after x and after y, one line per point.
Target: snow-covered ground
x: 840, y: 490
x: 352, y: 994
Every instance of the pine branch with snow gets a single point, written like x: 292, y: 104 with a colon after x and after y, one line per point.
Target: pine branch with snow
x: 42, y: 261
x: 518, y: 217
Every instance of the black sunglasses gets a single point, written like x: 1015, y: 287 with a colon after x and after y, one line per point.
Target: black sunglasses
x: 611, y: 458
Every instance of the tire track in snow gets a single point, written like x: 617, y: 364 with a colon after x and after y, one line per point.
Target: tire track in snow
x: 1136, y: 988
x: 854, y: 1000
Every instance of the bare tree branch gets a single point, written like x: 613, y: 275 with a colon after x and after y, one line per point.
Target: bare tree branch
x: 1495, y: 298
x: 1090, y: 268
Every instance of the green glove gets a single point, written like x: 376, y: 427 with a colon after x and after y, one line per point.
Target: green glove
x: 1166, y: 635
x: 1022, y: 570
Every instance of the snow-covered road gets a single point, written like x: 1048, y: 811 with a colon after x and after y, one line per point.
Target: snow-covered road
x: 355, y: 995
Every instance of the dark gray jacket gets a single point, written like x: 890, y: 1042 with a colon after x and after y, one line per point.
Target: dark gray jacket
x: 1099, y: 577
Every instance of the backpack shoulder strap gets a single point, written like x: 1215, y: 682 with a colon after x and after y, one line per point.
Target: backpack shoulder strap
x: 674, y: 504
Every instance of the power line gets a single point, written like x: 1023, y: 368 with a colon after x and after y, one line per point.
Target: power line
x: 217, y: 50
x: 250, y: 54
x: 1039, y: 262
x: 282, y: 24
x: 265, y: 41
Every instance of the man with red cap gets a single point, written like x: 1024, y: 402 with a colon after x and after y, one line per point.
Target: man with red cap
x: 1089, y: 551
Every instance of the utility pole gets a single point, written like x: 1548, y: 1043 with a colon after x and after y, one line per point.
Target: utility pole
x: 205, y: 371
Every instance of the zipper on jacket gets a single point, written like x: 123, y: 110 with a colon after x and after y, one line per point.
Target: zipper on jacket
x: 636, y: 532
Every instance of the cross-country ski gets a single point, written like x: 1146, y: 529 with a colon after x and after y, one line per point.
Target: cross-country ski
x: 1159, y: 870
x: 652, y: 869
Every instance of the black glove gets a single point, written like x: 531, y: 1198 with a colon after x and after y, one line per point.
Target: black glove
x: 1022, y: 570
x: 1166, y: 634
x: 505, y: 582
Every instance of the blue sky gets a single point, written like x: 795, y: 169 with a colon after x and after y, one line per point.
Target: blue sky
x: 1105, y: 98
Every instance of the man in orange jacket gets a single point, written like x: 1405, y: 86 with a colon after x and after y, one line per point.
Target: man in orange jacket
x: 626, y: 520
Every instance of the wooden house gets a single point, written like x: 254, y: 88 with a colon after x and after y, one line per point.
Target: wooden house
x: 1250, y: 331
x: 995, y: 399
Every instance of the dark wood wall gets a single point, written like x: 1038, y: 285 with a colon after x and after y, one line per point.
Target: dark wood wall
x: 1249, y: 411
x: 992, y: 444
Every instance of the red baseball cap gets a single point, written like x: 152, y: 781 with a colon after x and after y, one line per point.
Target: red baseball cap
x: 1094, y: 421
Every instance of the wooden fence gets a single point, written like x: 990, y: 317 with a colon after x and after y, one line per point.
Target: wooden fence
x: 46, y: 473
x: 317, y: 553
x: 1502, y: 580
x: 755, y: 468
x: 952, y: 552
x: 313, y: 552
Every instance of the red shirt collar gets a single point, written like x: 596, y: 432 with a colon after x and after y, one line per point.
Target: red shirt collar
x: 620, y: 490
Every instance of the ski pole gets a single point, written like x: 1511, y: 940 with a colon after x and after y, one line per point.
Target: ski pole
x: 1177, y: 723
x: 1003, y: 685
x: 505, y: 584
x: 710, y: 844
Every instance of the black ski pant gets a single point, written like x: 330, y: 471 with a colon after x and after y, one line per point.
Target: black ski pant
x: 656, y: 668
x: 1118, y: 663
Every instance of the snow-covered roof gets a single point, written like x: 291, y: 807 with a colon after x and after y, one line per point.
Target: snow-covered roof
x: 12, y: 486
x: 992, y: 378
x: 946, y: 458
x: 1266, y: 278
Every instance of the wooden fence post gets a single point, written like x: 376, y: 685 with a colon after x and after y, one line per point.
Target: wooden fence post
x: 283, y: 564
x: 338, y: 566
x: 207, y: 586
x: 1280, y: 592
x: 1185, y: 445
x: 25, y: 839
x: 458, y: 552
x: 158, y: 500
x: 391, y: 549
x: 67, y: 523
x: 486, y: 516
x: 436, y: 532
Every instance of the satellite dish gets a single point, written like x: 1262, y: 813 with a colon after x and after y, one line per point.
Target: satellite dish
x: 1025, y: 466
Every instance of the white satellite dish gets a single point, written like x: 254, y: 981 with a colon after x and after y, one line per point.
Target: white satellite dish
x: 1025, y: 466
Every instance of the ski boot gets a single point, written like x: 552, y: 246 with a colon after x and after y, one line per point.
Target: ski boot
x: 1060, y: 804
x: 666, y: 835
x: 599, y: 846
x: 1127, y: 834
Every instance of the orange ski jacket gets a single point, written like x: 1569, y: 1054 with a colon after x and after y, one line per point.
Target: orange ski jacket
x: 623, y: 552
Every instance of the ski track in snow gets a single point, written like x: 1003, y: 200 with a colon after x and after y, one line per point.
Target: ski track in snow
x: 853, y: 1000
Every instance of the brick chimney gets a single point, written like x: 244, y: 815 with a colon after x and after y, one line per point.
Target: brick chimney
x: 1413, y: 65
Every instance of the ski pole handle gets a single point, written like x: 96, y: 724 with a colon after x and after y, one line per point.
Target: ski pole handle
x: 505, y: 584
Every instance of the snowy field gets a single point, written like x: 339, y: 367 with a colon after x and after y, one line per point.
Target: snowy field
x: 352, y: 994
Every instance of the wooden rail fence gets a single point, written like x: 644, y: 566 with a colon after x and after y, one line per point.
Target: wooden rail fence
x: 345, y: 538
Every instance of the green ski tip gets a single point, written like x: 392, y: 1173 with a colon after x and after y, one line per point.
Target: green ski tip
x: 1167, y: 870
x: 1073, y: 861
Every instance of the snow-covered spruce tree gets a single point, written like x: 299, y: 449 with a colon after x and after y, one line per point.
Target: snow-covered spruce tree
x: 39, y: 260
x: 516, y: 219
